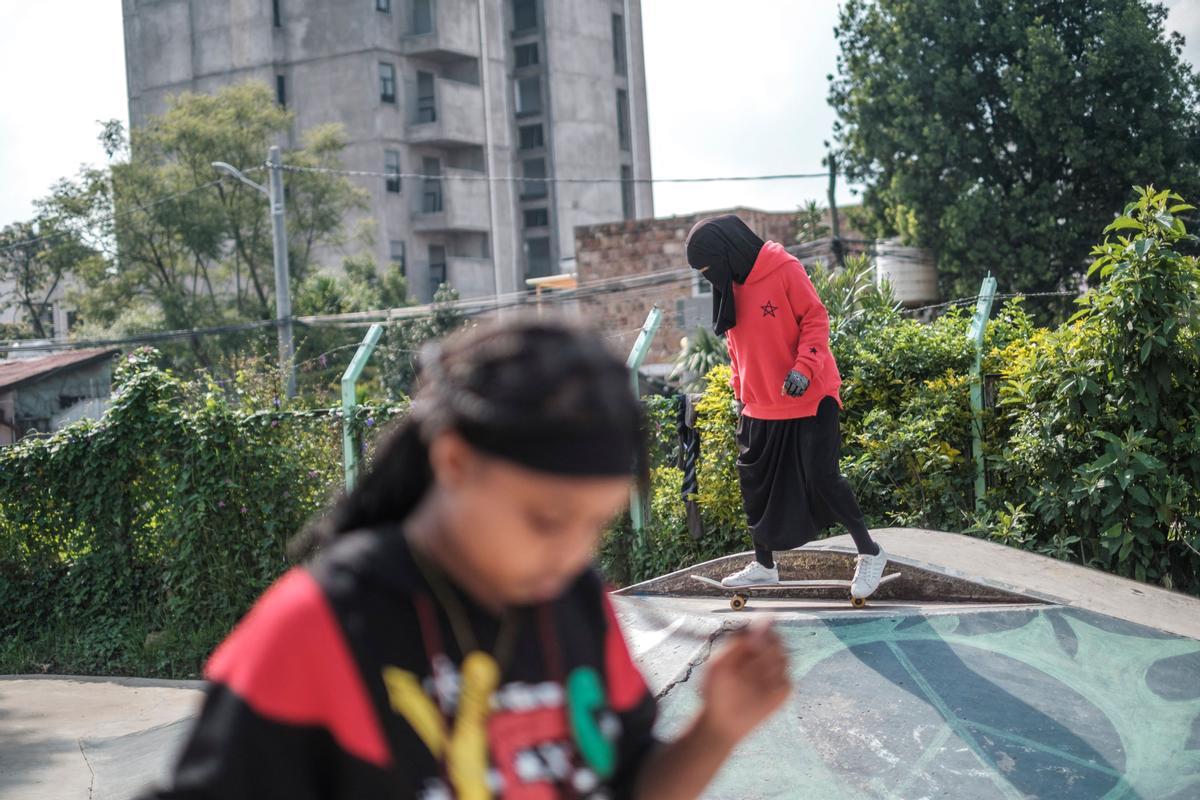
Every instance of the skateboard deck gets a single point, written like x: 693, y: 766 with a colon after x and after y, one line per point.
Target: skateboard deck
x: 740, y: 595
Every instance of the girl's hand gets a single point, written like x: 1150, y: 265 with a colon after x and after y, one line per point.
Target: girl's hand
x: 795, y: 384
x: 745, y: 684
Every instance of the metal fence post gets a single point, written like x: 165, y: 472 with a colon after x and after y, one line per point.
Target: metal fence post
x: 638, y: 354
x: 983, y: 310
x: 350, y: 456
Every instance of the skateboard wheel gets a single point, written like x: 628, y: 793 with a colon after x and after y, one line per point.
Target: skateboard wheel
x: 858, y: 602
x: 737, y: 602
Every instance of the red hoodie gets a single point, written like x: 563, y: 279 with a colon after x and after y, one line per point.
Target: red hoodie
x: 781, y: 326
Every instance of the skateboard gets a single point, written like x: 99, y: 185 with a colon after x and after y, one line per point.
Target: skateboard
x: 742, y: 594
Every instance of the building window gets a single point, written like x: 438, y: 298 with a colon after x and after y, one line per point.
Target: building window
x: 538, y: 251
x: 535, y: 171
x: 422, y: 17
x: 618, y: 34
x: 524, y: 15
x: 391, y: 165
x: 383, y: 5
x: 276, y: 13
x: 527, y: 55
x: 529, y: 96
x: 623, y: 119
x: 281, y: 90
x: 627, y: 192
x: 387, y: 83
x: 531, y: 137
x: 537, y: 217
x: 398, y: 255
x: 431, y: 195
x: 437, y: 267
x: 426, y: 99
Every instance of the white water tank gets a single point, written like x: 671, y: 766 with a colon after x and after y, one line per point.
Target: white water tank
x: 912, y: 271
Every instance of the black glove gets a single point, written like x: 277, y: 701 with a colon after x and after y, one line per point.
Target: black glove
x: 796, y: 384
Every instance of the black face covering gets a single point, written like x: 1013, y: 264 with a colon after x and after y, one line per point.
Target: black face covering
x: 728, y: 247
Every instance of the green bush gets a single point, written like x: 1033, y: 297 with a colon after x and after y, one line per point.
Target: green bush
x: 1093, y: 448
x: 131, y: 545
x: 1105, y: 430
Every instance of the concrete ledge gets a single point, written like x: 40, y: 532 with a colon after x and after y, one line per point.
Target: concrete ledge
x: 918, y: 582
x: 973, y: 560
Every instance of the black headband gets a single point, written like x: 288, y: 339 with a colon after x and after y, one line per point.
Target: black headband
x: 579, y: 453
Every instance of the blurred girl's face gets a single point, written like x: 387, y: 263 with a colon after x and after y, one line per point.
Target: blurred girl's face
x: 519, y: 535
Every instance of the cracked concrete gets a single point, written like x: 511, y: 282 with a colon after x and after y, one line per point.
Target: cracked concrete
x: 66, y: 738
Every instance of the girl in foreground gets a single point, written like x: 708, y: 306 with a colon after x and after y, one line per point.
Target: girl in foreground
x: 452, y: 639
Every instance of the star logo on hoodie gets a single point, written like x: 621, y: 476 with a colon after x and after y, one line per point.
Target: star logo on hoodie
x: 769, y: 309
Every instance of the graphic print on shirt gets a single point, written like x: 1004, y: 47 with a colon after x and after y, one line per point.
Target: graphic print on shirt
x: 769, y: 309
x: 538, y: 737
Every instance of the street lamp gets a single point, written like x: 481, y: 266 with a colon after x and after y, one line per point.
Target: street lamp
x: 283, y: 297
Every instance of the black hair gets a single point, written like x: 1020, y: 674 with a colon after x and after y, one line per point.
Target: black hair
x: 532, y: 377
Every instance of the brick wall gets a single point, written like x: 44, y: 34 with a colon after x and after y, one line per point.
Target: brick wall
x: 646, y: 246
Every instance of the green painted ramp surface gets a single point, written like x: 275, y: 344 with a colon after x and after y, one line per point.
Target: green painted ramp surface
x: 1006, y: 703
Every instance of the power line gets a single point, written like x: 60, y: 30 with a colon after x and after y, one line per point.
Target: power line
x: 514, y: 179
x: 966, y: 301
x: 468, y: 308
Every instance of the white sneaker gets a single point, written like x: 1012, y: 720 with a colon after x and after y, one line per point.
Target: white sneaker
x: 867, y: 574
x: 751, y: 574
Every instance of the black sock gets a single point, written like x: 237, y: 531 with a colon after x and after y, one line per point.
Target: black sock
x: 764, y: 556
x: 865, y: 544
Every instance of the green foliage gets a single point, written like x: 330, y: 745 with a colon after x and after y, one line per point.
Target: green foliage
x: 1105, y: 431
x: 402, y: 344
x: 1093, y: 448
x: 666, y: 543
x: 173, y: 252
x: 810, y: 222
x: 852, y: 297
x: 131, y: 545
x: 1002, y: 135
x: 702, y: 351
x: 35, y: 260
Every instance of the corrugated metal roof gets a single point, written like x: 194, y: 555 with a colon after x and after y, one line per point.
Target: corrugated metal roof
x: 15, y: 372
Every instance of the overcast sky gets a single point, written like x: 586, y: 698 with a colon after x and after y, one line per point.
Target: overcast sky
x: 730, y: 94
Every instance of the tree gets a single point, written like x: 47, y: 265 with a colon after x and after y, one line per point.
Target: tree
x: 1002, y: 134
x: 35, y: 260
x: 186, y: 249
x: 322, y: 352
x: 810, y: 222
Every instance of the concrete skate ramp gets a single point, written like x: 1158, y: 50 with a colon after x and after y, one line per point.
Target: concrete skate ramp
x: 987, y: 703
x: 1014, y: 687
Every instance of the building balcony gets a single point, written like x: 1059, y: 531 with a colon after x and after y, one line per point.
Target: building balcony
x: 454, y: 118
x: 450, y: 204
x: 447, y: 30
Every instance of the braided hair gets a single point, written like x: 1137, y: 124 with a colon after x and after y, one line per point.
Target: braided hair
x: 517, y: 389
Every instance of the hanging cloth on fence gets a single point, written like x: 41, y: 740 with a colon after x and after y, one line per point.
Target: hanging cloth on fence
x: 689, y: 459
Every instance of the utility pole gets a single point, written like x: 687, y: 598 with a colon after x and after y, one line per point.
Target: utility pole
x: 833, y: 212
x: 283, y: 294
x: 283, y: 281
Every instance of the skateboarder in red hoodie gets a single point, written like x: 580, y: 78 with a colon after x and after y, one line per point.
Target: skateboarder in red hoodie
x: 785, y: 384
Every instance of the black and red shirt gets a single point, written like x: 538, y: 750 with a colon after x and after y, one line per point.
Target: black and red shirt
x: 344, y: 681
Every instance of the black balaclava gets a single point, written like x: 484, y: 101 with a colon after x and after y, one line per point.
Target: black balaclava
x: 728, y: 247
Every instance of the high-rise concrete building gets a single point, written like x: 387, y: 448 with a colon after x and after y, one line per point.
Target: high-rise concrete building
x: 464, y: 89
